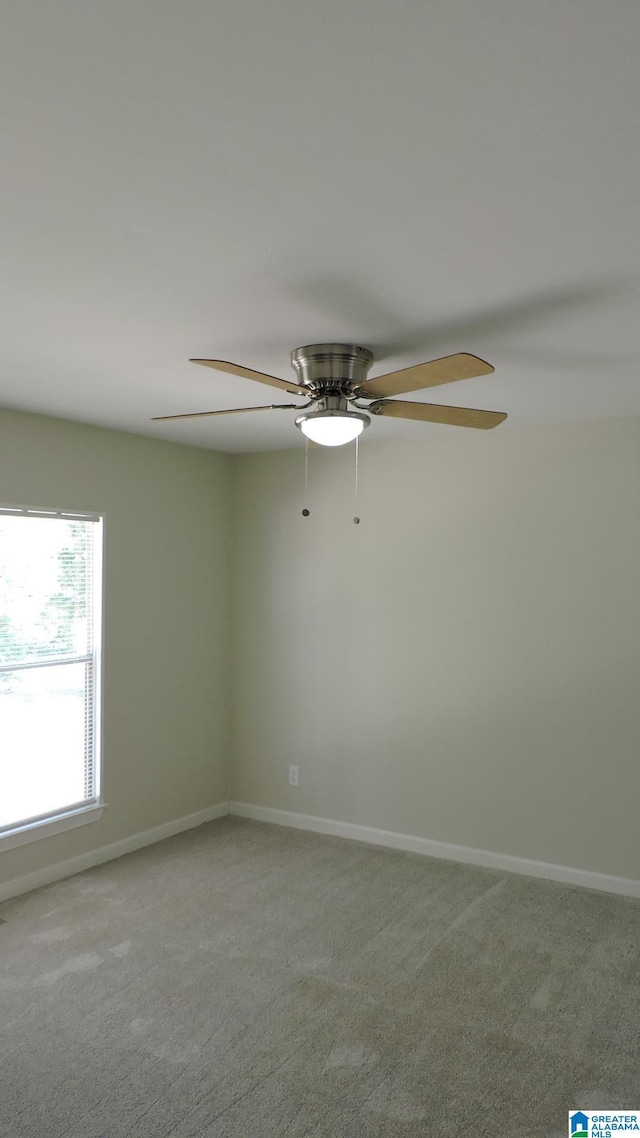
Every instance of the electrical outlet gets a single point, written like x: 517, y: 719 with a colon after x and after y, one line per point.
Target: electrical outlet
x: 293, y: 776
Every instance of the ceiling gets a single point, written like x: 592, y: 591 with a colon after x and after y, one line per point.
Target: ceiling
x: 236, y: 179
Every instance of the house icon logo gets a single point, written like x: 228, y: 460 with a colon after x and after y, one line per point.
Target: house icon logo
x: 578, y: 1125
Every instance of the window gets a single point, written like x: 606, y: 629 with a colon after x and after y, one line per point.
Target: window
x: 50, y: 621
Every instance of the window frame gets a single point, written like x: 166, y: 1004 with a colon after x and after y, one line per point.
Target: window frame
x: 88, y: 810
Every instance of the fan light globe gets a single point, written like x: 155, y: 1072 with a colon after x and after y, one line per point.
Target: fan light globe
x: 332, y: 428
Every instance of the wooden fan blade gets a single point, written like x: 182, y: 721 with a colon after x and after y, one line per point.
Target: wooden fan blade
x: 430, y: 374
x: 229, y: 411
x: 259, y: 376
x: 435, y: 413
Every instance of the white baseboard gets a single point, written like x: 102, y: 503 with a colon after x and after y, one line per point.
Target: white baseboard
x: 60, y: 869
x: 429, y: 847
x: 588, y: 879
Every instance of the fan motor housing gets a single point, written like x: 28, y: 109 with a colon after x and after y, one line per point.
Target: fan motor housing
x: 331, y: 367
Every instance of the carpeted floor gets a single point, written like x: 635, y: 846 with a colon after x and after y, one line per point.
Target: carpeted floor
x: 251, y: 981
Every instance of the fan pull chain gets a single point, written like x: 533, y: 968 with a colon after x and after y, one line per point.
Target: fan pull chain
x: 306, y: 512
x: 356, y: 519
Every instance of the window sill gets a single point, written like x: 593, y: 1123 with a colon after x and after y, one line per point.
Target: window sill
x: 47, y: 827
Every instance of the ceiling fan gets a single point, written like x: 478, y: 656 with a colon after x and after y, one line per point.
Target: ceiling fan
x: 333, y: 378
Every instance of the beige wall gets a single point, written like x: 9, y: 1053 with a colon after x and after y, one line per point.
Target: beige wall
x: 166, y: 730
x: 465, y: 664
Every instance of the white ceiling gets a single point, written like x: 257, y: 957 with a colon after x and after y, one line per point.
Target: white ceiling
x: 234, y: 178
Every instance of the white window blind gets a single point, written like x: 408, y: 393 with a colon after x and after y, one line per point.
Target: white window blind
x: 50, y: 620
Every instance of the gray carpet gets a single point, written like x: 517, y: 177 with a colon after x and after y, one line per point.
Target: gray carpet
x: 247, y: 980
